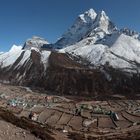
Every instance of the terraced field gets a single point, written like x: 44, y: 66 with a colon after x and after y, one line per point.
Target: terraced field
x: 91, y: 119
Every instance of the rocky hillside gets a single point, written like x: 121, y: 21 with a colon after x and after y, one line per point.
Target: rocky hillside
x: 24, y: 65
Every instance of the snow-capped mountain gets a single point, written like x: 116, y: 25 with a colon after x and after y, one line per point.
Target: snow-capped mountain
x: 88, y: 24
x: 94, y: 53
x: 104, y: 43
x: 93, y: 37
x: 35, y: 42
x: 8, y: 58
x: 22, y: 54
x: 22, y: 63
x: 118, y: 50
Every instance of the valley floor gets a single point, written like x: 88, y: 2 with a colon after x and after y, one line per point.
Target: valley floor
x: 64, y: 118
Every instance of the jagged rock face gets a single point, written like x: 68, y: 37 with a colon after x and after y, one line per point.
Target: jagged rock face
x: 131, y: 33
x: 87, y: 24
x: 35, y: 42
x: 103, y: 23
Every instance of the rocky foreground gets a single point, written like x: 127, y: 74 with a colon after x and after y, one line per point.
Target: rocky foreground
x: 8, y: 131
x: 34, y: 115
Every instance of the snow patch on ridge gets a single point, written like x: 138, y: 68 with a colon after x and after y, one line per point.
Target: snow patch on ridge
x: 44, y: 58
x: 118, y: 50
x: 26, y: 56
x: 8, y: 58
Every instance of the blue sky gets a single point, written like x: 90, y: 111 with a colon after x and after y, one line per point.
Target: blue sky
x: 21, y: 19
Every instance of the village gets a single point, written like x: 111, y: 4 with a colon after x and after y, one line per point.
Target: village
x: 64, y: 115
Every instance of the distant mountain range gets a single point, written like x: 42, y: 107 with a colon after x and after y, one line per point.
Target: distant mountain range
x: 93, y: 50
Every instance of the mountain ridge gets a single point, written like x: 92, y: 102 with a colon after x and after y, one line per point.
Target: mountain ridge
x: 92, y: 36
x: 92, y: 47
